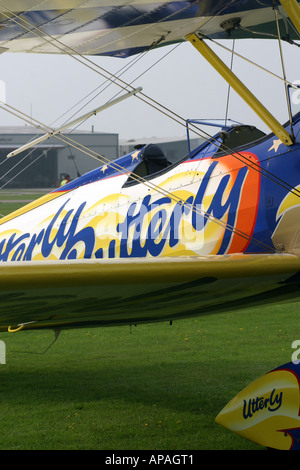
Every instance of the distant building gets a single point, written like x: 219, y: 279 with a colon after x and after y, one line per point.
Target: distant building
x: 45, y: 165
x: 73, y: 153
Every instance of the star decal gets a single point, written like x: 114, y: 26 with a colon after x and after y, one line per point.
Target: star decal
x: 276, y: 144
x: 104, y: 168
x: 135, y: 156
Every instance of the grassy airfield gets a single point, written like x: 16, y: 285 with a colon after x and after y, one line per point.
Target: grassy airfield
x: 150, y: 387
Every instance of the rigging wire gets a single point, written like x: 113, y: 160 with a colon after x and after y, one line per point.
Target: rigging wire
x: 169, y: 110
x: 66, y: 139
x: 288, y: 23
x: 239, y: 156
x: 177, y: 199
x: 284, y: 74
x: 153, y: 103
x: 140, y: 180
x: 229, y: 87
x: 292, y: 85
x: 120, y: 72
x: 44, y: 153
x: 100, y: 70
x: 270, y: 35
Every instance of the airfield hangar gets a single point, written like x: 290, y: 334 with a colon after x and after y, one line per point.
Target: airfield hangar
x: 46, y: 164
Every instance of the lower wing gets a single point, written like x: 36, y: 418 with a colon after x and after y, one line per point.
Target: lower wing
x: 69, y: 294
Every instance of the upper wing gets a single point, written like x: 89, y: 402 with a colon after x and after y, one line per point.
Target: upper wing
x: 97, y: 27
x: 56, y: 294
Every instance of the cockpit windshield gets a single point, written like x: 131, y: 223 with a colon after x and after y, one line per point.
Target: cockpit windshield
x: 152, y: 161
x: 294, y: 95
x: 231, y: 136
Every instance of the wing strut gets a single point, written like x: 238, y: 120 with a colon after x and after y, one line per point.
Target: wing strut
x: 70, y: 124
x: 240, y: 88
x: 292, y: 9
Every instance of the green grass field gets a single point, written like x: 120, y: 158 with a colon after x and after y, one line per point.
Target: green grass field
x: 155, y: 387
x: 151, y: 387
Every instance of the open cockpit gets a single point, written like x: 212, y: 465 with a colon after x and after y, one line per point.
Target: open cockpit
x: 153, y: 162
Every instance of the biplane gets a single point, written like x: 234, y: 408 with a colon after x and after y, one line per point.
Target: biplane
x: 140, y: 239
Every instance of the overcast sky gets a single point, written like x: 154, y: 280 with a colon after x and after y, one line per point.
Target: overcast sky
x: 47, y: 87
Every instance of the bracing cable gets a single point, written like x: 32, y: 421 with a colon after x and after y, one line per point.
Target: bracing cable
x: 165, y: 110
